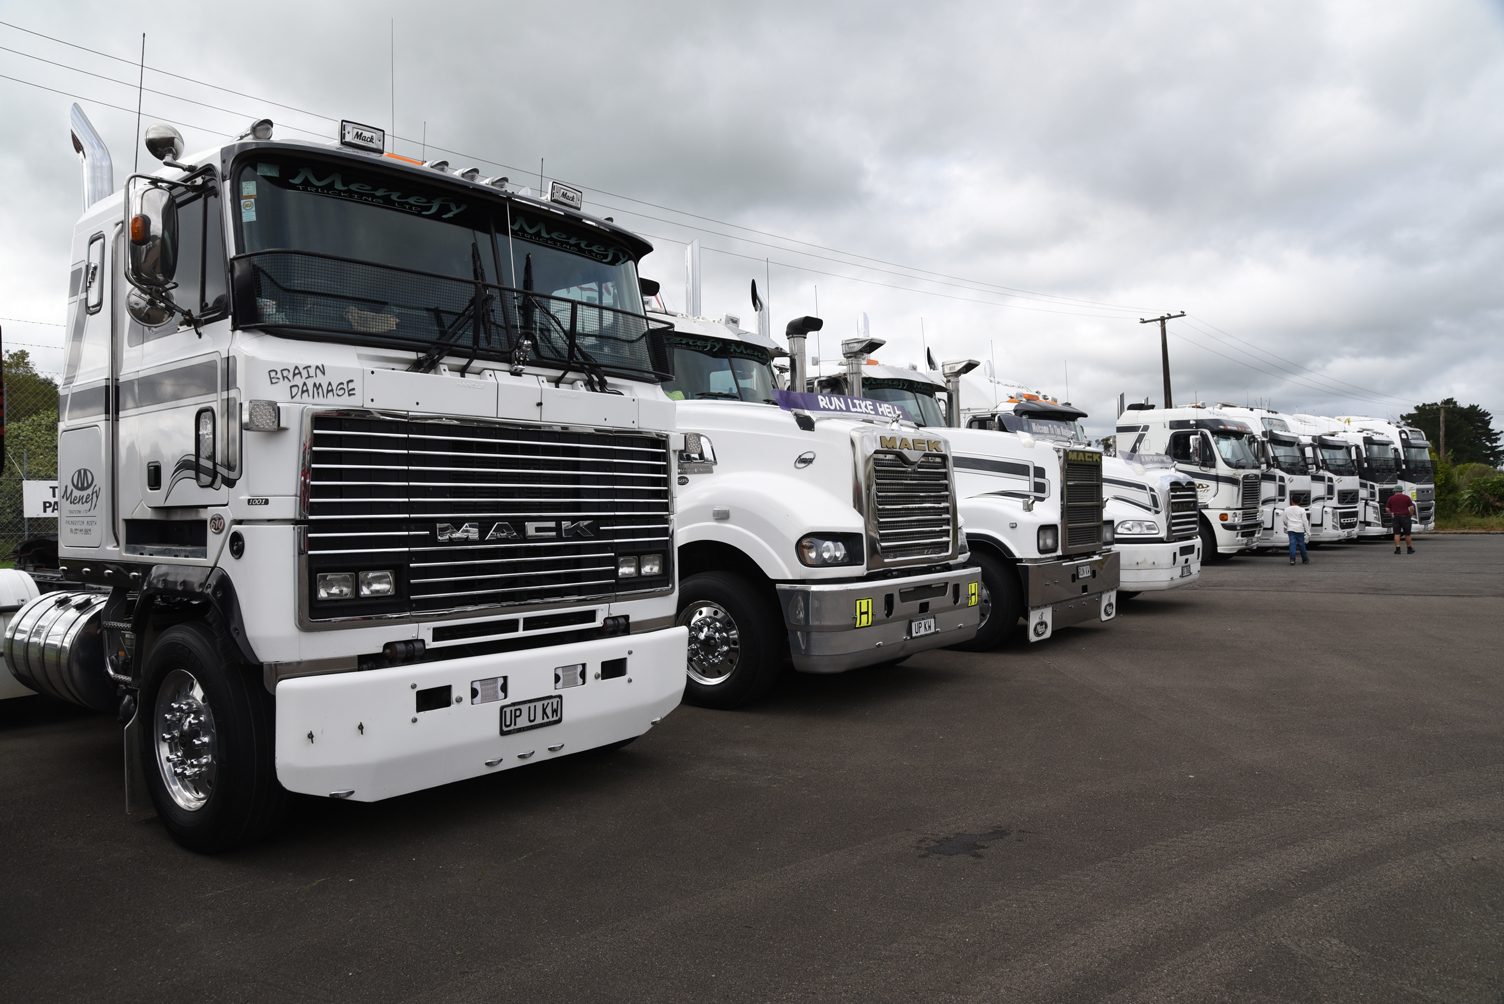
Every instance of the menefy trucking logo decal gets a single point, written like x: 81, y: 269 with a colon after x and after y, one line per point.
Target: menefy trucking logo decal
x: 81, y: 493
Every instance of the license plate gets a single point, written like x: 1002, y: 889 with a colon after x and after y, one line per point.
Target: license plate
x: 922, y: 627
x: 534, y: 714
x: 1185, y: 571
x: 1085, y: 572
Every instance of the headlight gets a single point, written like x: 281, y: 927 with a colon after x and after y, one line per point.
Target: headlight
x: 335, y: 585
x: 651, y: 564
x: 820, y: 550
x: 1109, y: 533
x: 374, y: 585
x: 1049, y: 538
x: 1136, y: 528
x: 626, y: 566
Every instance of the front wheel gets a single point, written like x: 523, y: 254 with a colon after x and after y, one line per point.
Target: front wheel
x: 1001, y: 603
x: 735, y: 639
x: 207, y: 744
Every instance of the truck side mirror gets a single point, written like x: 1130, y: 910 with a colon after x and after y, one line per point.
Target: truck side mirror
x: 152, y: 225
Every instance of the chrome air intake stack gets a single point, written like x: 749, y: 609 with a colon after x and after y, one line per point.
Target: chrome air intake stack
x: 99, y: 170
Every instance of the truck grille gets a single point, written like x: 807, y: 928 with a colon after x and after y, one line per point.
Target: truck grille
x: 1386, y: 518
x: 1083, y: 502
x: 1300, y: 498
x: 1184, y: 521
x: 1347, y: 519
x: 913, y: 507
x: 1250, y: 499
x: 471, y: 514
x: 1347, y: 496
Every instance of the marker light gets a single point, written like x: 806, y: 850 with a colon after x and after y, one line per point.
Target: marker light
x: 442, y: 166
x: 471, y: 174
x: 263, y: 416
x: 260, y: 129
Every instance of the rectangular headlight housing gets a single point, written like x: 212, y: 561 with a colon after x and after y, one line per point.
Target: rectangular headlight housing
x: 626, y: 566
x: 1049, y: 539
x: 377, y: 584
x: 335, y: 585
x: 651, y: 564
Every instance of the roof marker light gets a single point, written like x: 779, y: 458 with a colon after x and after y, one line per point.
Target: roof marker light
x: 471, y: 174
x: 260, y: 129
x: 499, y: 181
x: 442, y: 166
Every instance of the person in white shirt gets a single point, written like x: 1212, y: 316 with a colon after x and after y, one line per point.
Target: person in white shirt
x: 1296, y: 527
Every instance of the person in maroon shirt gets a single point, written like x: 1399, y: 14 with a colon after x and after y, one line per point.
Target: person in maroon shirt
x: 1401, y: 508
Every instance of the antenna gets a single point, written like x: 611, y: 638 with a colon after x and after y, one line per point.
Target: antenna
x: 392, y: 66
x: 1067, y: 380
x: 140, y: 86
x: 540, y: 177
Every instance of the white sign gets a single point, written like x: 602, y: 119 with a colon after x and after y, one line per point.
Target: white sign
x: 39, y: 499
x: 362, y: 137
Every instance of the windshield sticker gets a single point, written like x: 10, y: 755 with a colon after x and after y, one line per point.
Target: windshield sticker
x: 248, y: 210
x: 859, y: 406
x: 269, y: 170
x: 334, y: 184
x: 540, y: 232
x: 248, y: 189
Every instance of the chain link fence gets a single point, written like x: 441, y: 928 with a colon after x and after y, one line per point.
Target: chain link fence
x: 30, y: 450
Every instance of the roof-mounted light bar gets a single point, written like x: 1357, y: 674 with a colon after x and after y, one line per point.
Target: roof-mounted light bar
x: 361, y: 137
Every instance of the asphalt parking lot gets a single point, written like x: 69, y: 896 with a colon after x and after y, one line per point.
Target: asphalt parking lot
x: 1283, y: 784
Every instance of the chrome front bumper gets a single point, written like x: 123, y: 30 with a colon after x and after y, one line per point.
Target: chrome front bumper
x: 843, y: 626
x: 1071, y: 590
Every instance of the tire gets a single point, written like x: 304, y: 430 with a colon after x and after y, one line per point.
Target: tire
x: 1128, y: 594
x: 736, y: 639
x: 198, y: 698
x: 1002, y: 603
x: 1209, y: 553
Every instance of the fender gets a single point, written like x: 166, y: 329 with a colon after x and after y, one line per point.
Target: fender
x: 989, y: 516
x: 769, y: 512
x: 194, y: 586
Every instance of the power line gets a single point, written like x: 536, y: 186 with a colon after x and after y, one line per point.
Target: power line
x: 22, y: 320
x: 965, y: 283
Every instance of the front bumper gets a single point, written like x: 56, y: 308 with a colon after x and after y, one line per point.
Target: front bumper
x: 1071, y: 590
x: 360, y: 735
x: 1155, y: 565
x: 833, y: 628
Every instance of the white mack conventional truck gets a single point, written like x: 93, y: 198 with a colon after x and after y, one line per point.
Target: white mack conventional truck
x: 1033, y: 508
x: 829, y: 539
x: 366, y: 478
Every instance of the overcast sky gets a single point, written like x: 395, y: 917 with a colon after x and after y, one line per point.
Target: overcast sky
x: 1320, y: 185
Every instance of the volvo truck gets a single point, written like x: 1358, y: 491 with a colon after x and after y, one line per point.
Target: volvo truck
x: 1286, y: 474
x: 1376, y: 458
x: 1415, y: 475
x: 1334, y: 480
x: 1033, y: 507
x: 1220, y: 453
x: 366, y: 478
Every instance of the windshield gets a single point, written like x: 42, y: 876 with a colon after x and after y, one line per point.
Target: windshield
x: 334, y: 248
x: 1418, y: 463
x: 1236, y: 450
x: 1379, y: 457
x: 711, y: 368
x: 1287, y: 457
x: 1337, y: 460
x: 921, y: 405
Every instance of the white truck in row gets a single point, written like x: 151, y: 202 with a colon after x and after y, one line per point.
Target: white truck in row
x: 366, y: 476
x: 1220, y: 452
x: 1415, y: 475
x: 1033, y: 507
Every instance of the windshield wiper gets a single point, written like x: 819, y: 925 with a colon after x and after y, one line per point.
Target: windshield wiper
x: 478, y: 313
x: 717, y: 395
x: 532, y: 305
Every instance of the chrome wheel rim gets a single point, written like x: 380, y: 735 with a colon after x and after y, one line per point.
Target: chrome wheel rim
x: 715, y: 642
x: 186, y: 746
x: 984, y: 604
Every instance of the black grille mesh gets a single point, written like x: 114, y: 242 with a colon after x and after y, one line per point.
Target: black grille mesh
x: 1083, y: 506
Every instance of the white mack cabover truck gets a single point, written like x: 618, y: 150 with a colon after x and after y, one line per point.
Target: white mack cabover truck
x: 1376, y: 458
x: 1334, y: 479
x: 1151, y: 505
x: 804, y: 535
x: 1415, y: 474
x: 1033, y: 508
x: 1286, y: 475
x: 1220, y: 453
x: 365, y: 479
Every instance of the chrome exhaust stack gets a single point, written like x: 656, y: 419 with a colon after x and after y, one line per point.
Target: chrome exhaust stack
x: 953, y: 372
x: 795, y: 332
x: 99, y: 170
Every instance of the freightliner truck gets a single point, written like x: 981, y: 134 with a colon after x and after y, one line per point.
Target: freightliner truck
x: 1033, y: 508
x: 1218, y: 451
x: 1415, y: 474
x: 809, y: 536
x: 366, y: 479
x: 1151, y: 505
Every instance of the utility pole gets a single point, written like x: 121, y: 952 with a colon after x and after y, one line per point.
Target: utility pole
x: 1164, y: 348
x: 1443, y: 453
